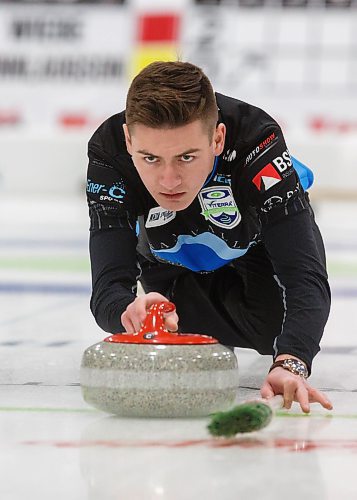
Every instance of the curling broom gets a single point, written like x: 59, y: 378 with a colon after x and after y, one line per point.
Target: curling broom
x: 247, y: 417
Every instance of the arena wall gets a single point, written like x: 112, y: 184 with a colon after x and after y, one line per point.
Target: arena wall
x: 64, y: 69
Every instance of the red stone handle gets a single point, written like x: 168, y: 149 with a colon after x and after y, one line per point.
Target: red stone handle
x: 154, y: 321
x: 153, y: 330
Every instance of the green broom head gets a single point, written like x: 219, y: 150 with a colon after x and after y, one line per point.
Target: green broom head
x: 247, y: 417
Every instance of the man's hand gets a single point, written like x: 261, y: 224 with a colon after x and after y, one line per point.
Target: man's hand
x: 135, y: 314
x: 293, y: 388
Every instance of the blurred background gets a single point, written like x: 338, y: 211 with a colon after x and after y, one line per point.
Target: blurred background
x: 66, y: 65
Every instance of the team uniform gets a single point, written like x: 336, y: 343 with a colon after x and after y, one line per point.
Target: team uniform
x: 244, y: 262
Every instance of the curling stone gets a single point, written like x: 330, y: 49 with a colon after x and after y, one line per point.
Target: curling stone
x: 157, y: 373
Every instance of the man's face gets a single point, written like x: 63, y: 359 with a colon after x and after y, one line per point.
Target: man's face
x: 174, y: 163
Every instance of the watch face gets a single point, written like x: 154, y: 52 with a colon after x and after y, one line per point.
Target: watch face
x: 296, y: 367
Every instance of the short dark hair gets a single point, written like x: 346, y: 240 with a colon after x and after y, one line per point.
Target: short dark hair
x: 169, y: 95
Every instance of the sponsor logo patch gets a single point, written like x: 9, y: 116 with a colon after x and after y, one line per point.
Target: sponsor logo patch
x: 271, y: 203
x: 115, y: 192
x: 266, y: 178
x: 219, y: 207
x: 276, y: 200
x: 159, y: 216
x: 289, y: 194
x: 230, y: 155
x: 283, y: 162
x: 222, y: 178
x: 270, y: 140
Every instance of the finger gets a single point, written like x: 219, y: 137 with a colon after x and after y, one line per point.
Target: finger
x: 142, y: 305
x: 266, y: 391
x: 144, y: 302
x: 127, y: 324
x: 289, y: 393
x: 154, y: 298
x: 302, y: 397
x: 316, y: 396
x: 171, y: 322
x: 133, y: 317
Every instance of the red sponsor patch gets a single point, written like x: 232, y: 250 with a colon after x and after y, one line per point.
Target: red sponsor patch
x: 266, y: 178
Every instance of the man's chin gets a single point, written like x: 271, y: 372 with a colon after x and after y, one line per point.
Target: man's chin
x: 174, y: 205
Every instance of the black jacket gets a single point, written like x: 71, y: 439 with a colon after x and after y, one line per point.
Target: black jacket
x: 253, y: 195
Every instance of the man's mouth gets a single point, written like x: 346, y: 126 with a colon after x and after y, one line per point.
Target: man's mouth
x: 173, y: 196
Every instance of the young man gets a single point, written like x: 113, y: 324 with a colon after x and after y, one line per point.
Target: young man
x: 195, y: 194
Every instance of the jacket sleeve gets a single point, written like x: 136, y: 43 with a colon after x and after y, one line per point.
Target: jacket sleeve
x: 294, y: 245
x: 112, y: 243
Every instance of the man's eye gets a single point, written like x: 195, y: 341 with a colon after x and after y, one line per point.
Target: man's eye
x: 187, y: 158
x: 150, y: 159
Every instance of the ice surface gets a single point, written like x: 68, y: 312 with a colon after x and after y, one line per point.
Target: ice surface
x: 52, y: 445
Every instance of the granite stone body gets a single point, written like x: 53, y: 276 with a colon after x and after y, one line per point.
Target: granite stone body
x: 156, y: 380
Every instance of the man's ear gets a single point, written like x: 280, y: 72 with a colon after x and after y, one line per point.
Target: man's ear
x: 129, y: 146
x: 219, y: 137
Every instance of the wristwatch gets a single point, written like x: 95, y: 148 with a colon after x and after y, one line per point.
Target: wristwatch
x: 292, y: 365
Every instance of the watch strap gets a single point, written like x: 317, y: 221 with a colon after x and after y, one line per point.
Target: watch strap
x: 292, y: 365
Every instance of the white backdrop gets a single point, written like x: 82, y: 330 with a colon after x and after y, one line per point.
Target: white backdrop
x: 65, y: 69
x: 57, y: 60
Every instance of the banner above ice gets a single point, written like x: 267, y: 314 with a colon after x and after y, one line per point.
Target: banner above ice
x: 62, y: 59
x: 67, y: 66
x: 299, y: 64
x: 72, y: 64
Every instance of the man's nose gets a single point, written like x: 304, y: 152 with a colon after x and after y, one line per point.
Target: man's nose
x: 170, y: 178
